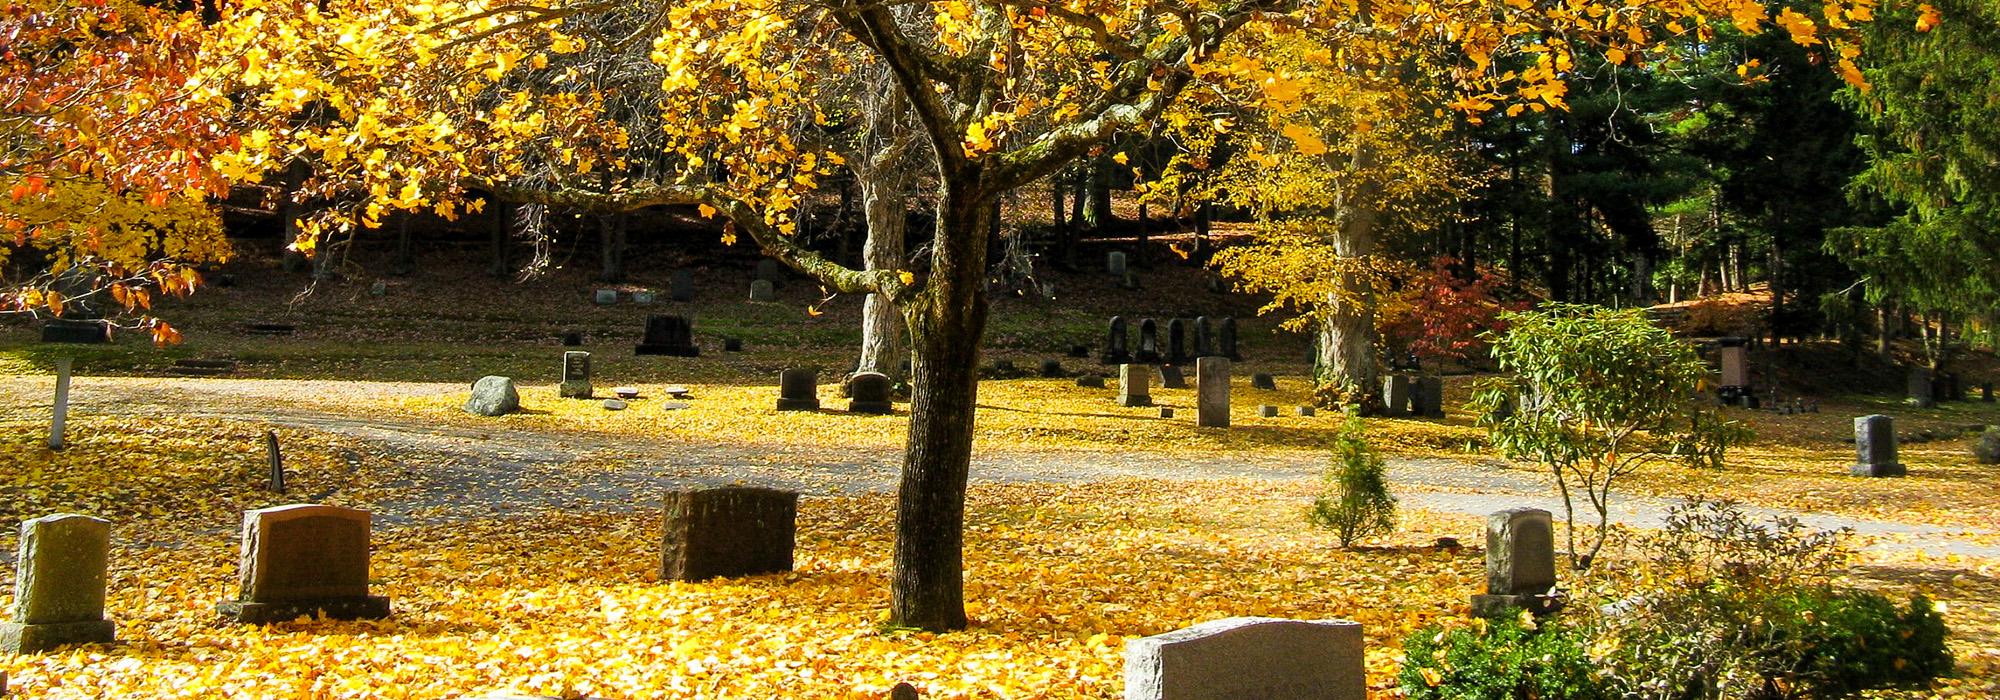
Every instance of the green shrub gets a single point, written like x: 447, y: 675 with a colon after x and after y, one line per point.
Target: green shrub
x: 1507, y: 659
x: 1356, y: 502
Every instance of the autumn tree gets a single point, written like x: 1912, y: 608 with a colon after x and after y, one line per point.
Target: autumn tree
x: 104, y: 162
x: 439, y: 100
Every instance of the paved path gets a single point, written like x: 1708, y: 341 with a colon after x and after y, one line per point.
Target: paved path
x: 479, y: 473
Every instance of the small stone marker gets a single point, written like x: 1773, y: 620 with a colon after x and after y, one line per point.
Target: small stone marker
x: 1267, y: 411
x: 1875, y: 447
x: 1079, y: 351
x: 870, y: 393
x: 904, y: 691
x: 1090, y: 381
x: 727, y: 532
x: 493, y: 396
x: 1986, y: 392
x: 1211, y: 377
x: 606, y: 297
x: 1429, y: 397
x: 763, y: 291
x: 1115, y: 352
x: 1203, y: 344
x: 1130, y: 281
x: 575, y: 375
x: 1166, y: 413
x: 1149, y: 343
x: 644, y: 297
x: 625, y: 392
x: 1225, y: 340
x: 1114, y: 263
x: 1177, y: 341
x: 1052, y: 369
x: 274, y: 459
x: 1921, y: 389
x: 1986, y: 447
x: 668, y: 335
x: 1263, y: 381
x: 59, y: 585
x: 572, y: 339
x: 615, y: 405
x: 732, y: 345
x: 676, y: 391
x: 1520, y: 563
x: 60, y: 415
x: 1240, y: 658
x: 1135, y: 385
x: 681, y: 287
x: 1396, y: 395
x: 769, y: 270
x: 1307, y: 411
x: 798, y: 390
x: 304, y: 560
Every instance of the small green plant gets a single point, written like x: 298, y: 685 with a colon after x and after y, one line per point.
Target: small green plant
x: 1356, y: 502
x: 1505, y: 659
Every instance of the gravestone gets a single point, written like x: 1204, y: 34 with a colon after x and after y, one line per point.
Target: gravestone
x: 59, y: 413
x: 1204, y: 345
x: 1114, y: 263
x: 1267, y: 411
x: 798, y: 390
x: 1166, y: 413
x: 1177, y: 351
x: 1520, y: 563
x: 1428, y: 400
x: 769, y: 270
x: 1115, y: 352
x: 1172, y: 378
x: 571, y: 339
x: 1396, y: 391
x: 1149, y: 343
x: 870, y: 393
x: 1135, y: 385
x: 63, y: 330
x: 1986, y: 447
x: 668, y: 335
x: 606, y: 297
x: 1079, y: 351
x: 1307, y: 411
x: 625, y: 392
x: 645, y: 297
x: 615, y: 405
x: 1225, y: 343
x: 59, y: 585
x: 762, y: 291
x: 575, y: 375
x: 1986, y: 392
x: 1920, y: 389
x: 304, y: 560
x: 1211, y: 378
x: 493, y: 396
x: 1875, y: 447
x: 1249, y: 657
x: 1052, y: 369
x: 732, y: 345
x: 1263, y: 381
x: 681, y: 286
x: 1735, y: 368
x: 1090, y: 381
x: 727, y: 532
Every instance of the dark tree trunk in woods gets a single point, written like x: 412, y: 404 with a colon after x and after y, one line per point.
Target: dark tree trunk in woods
x: 611, y: 240
x: 501, y: 266
x: 290, y: 210
x: 1099, y: 215
x: 405, y: 260
x: 1204, y: 218
x: 1139, y: 243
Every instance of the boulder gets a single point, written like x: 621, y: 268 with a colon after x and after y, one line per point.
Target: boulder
x: 1986, y: 448
x: 493, y: 396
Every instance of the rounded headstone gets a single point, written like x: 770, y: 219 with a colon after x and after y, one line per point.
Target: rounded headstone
x: 870, y: 392
x: 798, y: 390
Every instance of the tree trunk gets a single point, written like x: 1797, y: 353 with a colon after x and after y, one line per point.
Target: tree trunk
x: 611, y: 240
x: 501, y: 266
x: 290, y: 210
x: 884, y: 200
x: 1345, y: 368
x: 405, y: 261
x: 947, y: 321
x: 1098, y: 216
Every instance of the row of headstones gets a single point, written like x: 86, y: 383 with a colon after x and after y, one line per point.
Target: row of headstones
x: 309, y: 560
x: 867, y: 392
x: 1875, y: 447
x: 1926, y: 388
x: 1135, y: 389
x: 681, y: 287
x: 1118, y: 351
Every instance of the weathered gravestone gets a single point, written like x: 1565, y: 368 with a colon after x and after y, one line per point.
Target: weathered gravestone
x: 769, y: 270
x: 1149, y: 343
x: 1166, y: 413
x: 1172, y: 378
x: 1428, y: 400
x: 1177, y: 351
x: 1986, y: 447
x: 304, y: 560
x: 1241, y: 658
x: 1225, y: 340
x: 1211, y: 379
x: 732, y: 345
x: 1052, y: 369
x: 1135, y: 385
x: 59, y: 585
x: 1307, y: 411
x: 571, y: 339
x: 1114, y: 343
x: 1267, y: 411
x: 63, y: 330
x: 1520, y: 563
x: 681, y: 286
x: 761, y: 290
x: 1920, y: 389
x: 1396, y: 395
x: 1079, y: 351
x: 668, y: 335
x: 606, y: 296
x: 1875, y: 447
x: 870, y: 393
x: 645, y: 297
x: 615, y: 405
x: 727, y: 532
x: 1735, y: 369
x: 1265, y: 381
x: 1114, y: 263
x: 59, y: 415
x: 1986, y: 392
x: 493, y: 396
x: 575, y: 375
x: 798, y: 390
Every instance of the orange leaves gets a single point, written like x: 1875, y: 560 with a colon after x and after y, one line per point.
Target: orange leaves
x: 1927, y: 17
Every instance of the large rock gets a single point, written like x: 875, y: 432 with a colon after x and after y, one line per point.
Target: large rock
x: 1987, y: 448
x: 493, y: 396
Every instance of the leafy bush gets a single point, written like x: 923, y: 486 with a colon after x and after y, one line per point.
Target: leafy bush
x: 1509, y: 659
x: 1356, y: 502
x: 1738, y: 610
